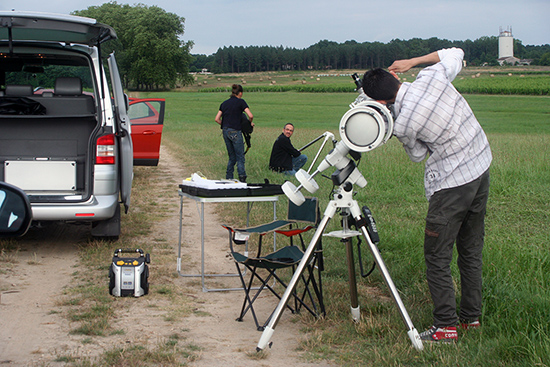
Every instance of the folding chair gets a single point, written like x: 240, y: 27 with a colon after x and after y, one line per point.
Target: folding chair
x: 308, y: 294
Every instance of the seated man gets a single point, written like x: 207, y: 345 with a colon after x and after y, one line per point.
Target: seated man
x: 284, y: 157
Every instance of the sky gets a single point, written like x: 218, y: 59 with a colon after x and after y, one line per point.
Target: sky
x: 213, y: 24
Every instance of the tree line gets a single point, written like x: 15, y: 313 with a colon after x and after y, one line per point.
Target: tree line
x: 354, y: 55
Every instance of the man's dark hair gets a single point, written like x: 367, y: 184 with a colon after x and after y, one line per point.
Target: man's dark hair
x: 380, y: 85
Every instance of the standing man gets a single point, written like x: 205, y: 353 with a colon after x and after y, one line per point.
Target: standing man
x: 229, y: 117
x: 433, y: 120
x: 284, y: 157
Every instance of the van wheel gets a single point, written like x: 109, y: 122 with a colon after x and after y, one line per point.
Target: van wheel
x: 108, y: 229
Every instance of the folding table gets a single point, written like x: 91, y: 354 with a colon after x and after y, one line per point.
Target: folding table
x: 261, y: 193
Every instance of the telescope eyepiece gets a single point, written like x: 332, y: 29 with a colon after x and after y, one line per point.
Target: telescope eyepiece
x: 357, y: 80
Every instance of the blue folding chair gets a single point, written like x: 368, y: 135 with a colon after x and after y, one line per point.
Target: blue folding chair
x: 308, y: 294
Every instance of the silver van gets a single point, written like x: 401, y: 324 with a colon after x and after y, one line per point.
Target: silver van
x: 64, y: 130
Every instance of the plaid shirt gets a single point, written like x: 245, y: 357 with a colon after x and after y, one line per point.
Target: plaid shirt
x: 434, y: 120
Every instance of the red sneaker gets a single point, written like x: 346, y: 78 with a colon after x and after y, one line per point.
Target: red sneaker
x: 438, y: 334
x: 467, y: 325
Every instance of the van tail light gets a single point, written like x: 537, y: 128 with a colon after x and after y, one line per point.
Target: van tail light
x: 105, y: 151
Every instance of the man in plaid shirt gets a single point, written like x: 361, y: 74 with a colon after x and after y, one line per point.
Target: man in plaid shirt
x: 433, y: 120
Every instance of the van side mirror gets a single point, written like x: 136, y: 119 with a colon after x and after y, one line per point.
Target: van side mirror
x: 15, y: 211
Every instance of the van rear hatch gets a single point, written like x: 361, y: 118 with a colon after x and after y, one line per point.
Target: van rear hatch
x: 24, y: 26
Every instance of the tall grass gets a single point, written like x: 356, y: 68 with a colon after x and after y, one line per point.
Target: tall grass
x: 319, y: 88
x: 504, y: 84
x: 526, y: 85
x: 516, y: 303
x: 504, y: 81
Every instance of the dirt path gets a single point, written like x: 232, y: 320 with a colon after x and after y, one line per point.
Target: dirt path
x: 227, y: 342
x: 31, y: 284
x: 32, y: 333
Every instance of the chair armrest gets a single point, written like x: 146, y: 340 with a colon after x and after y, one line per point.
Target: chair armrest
x: 293, y: 231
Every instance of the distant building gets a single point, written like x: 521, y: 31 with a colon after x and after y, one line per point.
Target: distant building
x: 506, y: 49
x: 505, y: 43
x: 511, y: 60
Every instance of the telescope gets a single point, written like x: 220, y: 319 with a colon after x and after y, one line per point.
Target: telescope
x: 367, y: 125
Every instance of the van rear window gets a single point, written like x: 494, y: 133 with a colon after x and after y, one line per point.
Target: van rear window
x: 41, y: 70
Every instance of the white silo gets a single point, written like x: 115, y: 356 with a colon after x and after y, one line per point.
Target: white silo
x: 505, y: 43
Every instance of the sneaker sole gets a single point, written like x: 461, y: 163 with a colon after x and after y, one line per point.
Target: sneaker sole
x: 440, y: 341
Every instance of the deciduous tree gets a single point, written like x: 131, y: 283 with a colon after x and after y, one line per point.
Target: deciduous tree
x: 149, y: 50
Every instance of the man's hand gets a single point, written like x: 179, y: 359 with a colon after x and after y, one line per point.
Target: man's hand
x: 401, y: 66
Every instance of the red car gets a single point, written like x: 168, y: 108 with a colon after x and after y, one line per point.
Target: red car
x: 147, y: 118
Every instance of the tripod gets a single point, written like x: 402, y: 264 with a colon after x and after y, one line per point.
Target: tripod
x: 343, y: 200
x: 367, y: 125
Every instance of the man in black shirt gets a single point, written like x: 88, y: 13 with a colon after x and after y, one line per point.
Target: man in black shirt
x: 284, y: 157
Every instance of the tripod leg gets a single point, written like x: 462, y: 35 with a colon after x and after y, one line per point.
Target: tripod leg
x: 355, y: 309
x: 308, y: 254
x: 412, y: 333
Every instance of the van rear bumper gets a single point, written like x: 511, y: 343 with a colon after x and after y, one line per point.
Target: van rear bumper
x: 99, y: 207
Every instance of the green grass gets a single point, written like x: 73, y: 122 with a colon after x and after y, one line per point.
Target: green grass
x: 505, y: 84
x: 516, y: 259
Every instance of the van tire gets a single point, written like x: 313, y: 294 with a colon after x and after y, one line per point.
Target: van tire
x: 108, y: 229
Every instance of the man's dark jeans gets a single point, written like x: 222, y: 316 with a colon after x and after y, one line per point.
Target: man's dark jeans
x: 456, y: 214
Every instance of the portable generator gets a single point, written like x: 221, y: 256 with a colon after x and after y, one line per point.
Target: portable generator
x: 129, y: 276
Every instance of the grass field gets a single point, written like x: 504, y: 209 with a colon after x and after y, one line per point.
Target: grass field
x: 516, y: 304
x: 529, y: 80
